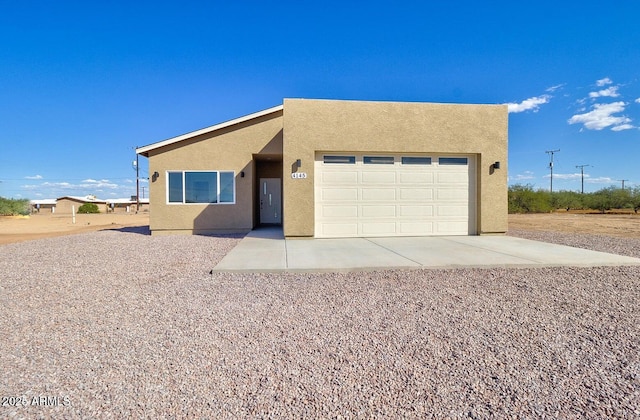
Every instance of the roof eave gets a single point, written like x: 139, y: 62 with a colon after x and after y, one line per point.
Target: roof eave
x: 144, y: 151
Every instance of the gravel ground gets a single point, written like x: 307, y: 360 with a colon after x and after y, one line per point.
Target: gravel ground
x: 629, y: 247
x: 117, y: 324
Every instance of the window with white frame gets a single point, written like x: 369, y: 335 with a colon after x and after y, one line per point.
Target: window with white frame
x: 202, y: 187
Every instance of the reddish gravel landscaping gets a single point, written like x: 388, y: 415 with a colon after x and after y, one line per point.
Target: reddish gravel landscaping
x: 121, y: 324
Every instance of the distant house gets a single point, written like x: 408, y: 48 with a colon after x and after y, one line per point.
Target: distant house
x: 64, y: 205
x: 325, y: 168
x: 47, y: 204
x: 126, y: 205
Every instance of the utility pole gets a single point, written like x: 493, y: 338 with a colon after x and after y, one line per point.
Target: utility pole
x: 622, y: 180
x: 582, y: 174
x: 550, y: 153
x: 137, y: 167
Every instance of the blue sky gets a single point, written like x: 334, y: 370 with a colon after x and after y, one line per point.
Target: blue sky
x: 83, y: 83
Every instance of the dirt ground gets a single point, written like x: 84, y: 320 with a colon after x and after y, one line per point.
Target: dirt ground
x: 18, y: 229
x: 38, y: 226
x: 619, y: 225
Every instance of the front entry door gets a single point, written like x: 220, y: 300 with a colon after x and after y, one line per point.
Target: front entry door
x: 270, y: 201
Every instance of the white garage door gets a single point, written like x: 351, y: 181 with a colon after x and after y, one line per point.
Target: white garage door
x: 359, y: 195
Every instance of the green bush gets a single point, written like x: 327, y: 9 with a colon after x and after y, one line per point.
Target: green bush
x: 89, y: 208
x: 635, y: 199
x: 523, y: 199
x: 567, y: 200
x: 13, y: 207
x: 610, y: 198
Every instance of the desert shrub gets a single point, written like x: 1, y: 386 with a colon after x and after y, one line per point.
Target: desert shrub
x: 635, y: 199
x: 89, y: 208
x: 567, y: 200
x: 523, y: 199
x: 610, y: 198
x: 13, y: 207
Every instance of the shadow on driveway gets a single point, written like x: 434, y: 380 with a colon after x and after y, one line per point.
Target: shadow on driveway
x: 140, y: 230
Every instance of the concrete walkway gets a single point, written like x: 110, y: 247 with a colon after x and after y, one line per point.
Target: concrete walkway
x: 266, y: 250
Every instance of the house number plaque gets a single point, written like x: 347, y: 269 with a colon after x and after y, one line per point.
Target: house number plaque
x: 298, y: 175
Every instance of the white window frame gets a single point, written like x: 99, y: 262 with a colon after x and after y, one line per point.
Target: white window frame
x: 184, y: 188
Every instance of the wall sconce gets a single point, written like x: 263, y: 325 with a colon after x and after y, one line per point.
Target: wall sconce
x: 156, y: 174
x: 298, y: 163
x: 241, y: 174
x: 496, y: 165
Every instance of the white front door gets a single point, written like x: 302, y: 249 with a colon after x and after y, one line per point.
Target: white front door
x: 270, y: 200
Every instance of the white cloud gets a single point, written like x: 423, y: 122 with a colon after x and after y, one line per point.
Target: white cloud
x: 531, y: 104
x: 610, y: 92
x: 568, y: 176
x: 637, y: 101
x: 623, y: 127
x: 601, y: 180
x: 33, y: 177
x: 554, y: 88
x: 103, y: 183
x: 523, y: 176
x: 602, y: 117
x: 604, y: 82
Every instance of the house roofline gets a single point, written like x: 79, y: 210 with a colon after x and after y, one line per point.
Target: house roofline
x: 144, y: 151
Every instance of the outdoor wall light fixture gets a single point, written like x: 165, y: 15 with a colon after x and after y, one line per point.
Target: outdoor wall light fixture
x: 496, y: 165
x: 299, y: 163
x: 241, y: 174
x: 156, y: 174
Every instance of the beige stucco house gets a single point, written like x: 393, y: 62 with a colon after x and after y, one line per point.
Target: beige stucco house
x: 327, y: 168
x: 69, y: 204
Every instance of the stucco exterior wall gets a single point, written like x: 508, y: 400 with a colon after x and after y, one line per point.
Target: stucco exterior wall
x: 356, y: 126
x: 228, y: 149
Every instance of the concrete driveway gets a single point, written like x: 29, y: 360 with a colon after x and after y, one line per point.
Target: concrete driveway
x: 266, y: 250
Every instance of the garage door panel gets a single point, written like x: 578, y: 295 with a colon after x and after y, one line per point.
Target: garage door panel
x: 339, y: 229
x: 361, y: 199
x: 420, y: 194
x: 339, y: 194
x: 416, y: 228
x: 453, y: 178
x: 347, y: 177
x: 379, y: 211
x: 419, y: 178
x: 452, y: 194
x: 378, y: 177
x: 377, y: 228
x: 461, y: 210
x: 416, y: 211
x: 378, y: 194
x: 340, y: 211
x: 451, y: 227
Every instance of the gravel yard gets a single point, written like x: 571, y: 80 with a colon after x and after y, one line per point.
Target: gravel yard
x: 117, y: 324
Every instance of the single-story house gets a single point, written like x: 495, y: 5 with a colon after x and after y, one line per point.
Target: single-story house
x: 45, y: 204
x: 65, y: 205
x: 329, y: 168
x: 127, y: 205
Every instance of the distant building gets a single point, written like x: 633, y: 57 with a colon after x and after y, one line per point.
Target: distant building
x: 126, y: 205
x: 44, y: 205
x: 66, y: 204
